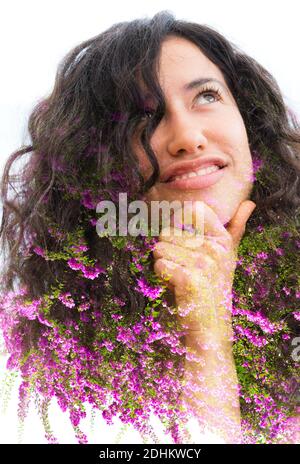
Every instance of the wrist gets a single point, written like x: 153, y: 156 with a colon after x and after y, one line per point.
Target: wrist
x: 210, y: 326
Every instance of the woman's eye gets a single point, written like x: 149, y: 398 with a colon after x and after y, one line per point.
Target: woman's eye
x: 215, y: 94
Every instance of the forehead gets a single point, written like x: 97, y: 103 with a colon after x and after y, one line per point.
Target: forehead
x: 181, y: 63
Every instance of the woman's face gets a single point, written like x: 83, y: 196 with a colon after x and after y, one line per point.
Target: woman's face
x: 196, y: 129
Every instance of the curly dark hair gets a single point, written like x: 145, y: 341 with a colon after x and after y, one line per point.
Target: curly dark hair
x: 82, y: 133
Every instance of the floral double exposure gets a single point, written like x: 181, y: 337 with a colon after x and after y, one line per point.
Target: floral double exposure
x: 130, y: 365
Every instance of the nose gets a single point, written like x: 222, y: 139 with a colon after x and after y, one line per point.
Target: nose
x: 186, y: 137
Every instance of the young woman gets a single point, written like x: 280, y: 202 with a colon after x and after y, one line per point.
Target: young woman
x: 164, y: 110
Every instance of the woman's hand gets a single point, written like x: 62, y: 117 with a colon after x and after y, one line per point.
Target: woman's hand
x: 200, y: 269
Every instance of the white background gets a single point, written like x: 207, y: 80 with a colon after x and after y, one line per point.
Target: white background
x: 34, y: 37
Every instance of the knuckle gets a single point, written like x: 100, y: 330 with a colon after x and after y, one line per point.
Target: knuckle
x: 158, y: 265
x: 157, y: 254
x: 228, y: 239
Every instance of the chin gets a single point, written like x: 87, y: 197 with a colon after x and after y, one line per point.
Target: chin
x: 225, y: 212
x: 224, y: 216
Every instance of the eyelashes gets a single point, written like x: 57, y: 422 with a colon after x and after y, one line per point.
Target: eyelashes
x: 209, y: 90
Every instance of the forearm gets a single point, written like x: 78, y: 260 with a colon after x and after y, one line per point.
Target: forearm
x: 214, y: 384
x: 214, y: 390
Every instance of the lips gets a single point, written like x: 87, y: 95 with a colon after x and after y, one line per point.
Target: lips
x: 197, y: 182
x: 186, y: 167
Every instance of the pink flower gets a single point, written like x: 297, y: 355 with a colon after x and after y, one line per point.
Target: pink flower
x: 30, y: 311
x: 138, y: 328
x: 108, y: 345
x: 67, y: 300
x: 262, y: 255
x: 255, y: 339
x: 92, y: 273
x: 83, y: 307
x: 79, y: 248
x: 87, y: 200
x: 42, y: 320
x: 73, y: 264
x: 39, y: 251
x: 145, y: 289
x: 169, y: 364
x: 287, y: 291
x: 118, y: 301
x: 279, y: 251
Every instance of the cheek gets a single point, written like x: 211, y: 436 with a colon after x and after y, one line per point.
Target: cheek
x: 239, y: 182
x: 244, y: 171
x: 231, y: 127
x: 239, y: 150
x: 144, y: 163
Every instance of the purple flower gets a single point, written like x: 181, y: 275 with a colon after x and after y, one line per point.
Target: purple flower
x: 287, y: 291
x: 257, y: 318
x: 30, y: 311
x: 255, y: 339
x: 138, y: 328
x: 39, y: 251
x: 108, y: 345
x: 92, y: 272
x: 145, y: 289
x: 87, y: 200
x: 125, y: 335
x: 79, y: 248
x: 118, y: 301
x: 66, y: 299
x: 83, y: 306
x: 262, y: 255
x: 279, y: 251
x: 75, y: 265
x: 42, y: 320
x: 257, y: 162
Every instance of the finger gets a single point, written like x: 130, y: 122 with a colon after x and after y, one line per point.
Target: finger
x: 185, y: 240
x: 237, y: 225
x: 183, y: 256
x: 170, y: 271
x: 201, y: 216
x: 195, y: 213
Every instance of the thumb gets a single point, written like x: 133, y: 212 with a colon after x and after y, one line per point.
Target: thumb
x: 237, y: 224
